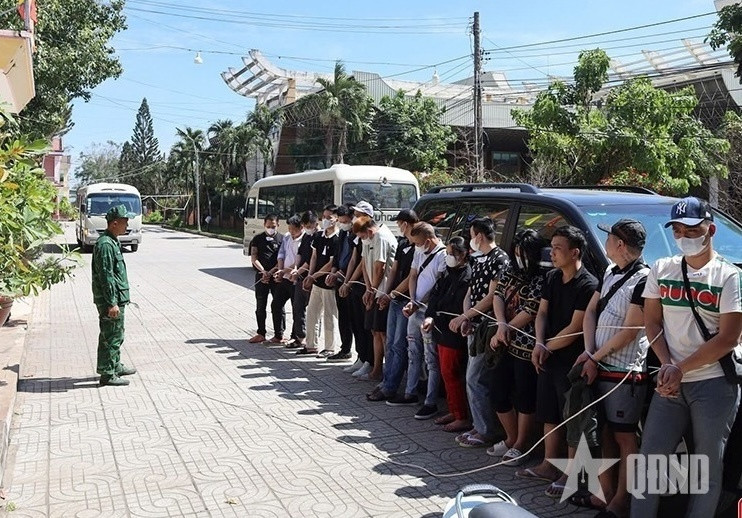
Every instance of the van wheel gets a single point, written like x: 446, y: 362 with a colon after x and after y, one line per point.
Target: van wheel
x: 86, y: 249
x: 134, y: 248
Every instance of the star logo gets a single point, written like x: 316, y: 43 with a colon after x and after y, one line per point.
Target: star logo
x: 582, y: 471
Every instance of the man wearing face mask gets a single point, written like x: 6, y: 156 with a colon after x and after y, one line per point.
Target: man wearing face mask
x: 428, y: 263
x: 289, y: 261
x: 695, y: 299
x: 322, y: 308
x: 336, y: 278
x: 264, y: 257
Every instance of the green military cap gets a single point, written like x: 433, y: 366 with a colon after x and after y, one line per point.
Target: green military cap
x: 118, y: 212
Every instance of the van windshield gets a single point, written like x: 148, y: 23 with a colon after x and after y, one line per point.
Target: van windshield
x: 660, y: 242
x: 382, y: 197
x: 100, y: 204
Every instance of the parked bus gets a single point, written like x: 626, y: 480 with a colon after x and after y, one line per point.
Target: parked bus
x: 95, y: 200
x: 388, y: 189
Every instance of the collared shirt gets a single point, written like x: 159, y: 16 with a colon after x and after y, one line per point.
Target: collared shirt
x: 289, y: 251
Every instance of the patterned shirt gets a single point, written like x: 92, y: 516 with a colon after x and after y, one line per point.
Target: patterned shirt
x: 484, y: 270
x: 520, y: 294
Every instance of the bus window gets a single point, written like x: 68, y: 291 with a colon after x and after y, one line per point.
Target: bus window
x: 287, y: 200
x: 250, y: 209
x: 381, y: 196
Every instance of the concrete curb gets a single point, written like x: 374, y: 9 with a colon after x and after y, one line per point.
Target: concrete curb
x: 205, y: 234
x: 12, y: 347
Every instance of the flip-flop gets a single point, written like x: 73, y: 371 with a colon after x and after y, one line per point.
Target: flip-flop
x: 585, y: 500
x: 463, y: 436
x: 529, y: 474
x: 474, y: 442
x: 446, y: 419
x: 461, y: 428
x: 555, y: 490
x: 514, y: 457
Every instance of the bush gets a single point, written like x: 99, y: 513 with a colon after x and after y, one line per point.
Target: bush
x: 67, y: 210
x: 175, y: 221
x: 153, y: 216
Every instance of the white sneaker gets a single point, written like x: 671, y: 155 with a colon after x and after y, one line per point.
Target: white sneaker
x: 498, y: 450
x: 352, y: 368
x: 365, y: 369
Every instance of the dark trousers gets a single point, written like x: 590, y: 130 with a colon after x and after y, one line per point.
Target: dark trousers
x: 299, y: 311
x: 364, y: 339
x: 345, y: 322
x: 261, y: 311
x: 109, y: 341
x: 282, y: 293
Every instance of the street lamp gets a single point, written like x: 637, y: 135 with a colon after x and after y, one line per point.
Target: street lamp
x: 198, y: 180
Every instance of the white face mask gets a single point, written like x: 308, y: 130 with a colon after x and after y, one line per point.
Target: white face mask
x: 451, y: 261
x: 310, y: 231
x: 270, y: 231
x: 520, y: 263
x: 420, y: 249
x: 345, y: 226
x: 355, y: 218
x: 691, y: 246
x: 474, y: 245
x: 327, y: 223
x: 366, y: 241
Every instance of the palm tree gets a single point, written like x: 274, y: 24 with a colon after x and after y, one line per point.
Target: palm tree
x: 221, y: 135
x: 188, y: 151
x: 344, y: 108
x: 263, y: 122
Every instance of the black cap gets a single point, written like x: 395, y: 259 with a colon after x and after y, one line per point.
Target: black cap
x: 630, y: 231
x: 406, y: 215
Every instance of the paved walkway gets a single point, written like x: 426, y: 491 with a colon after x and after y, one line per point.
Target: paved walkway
x: 210, y: 425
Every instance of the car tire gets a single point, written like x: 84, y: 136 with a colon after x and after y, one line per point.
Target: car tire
x: 134, y: 248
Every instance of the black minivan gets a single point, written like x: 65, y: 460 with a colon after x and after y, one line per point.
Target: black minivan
x: 450, y: 209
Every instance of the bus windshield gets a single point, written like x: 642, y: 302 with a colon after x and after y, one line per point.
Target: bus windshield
x: 100, y: 204
x: 660, y: 242
x: 381, y: 196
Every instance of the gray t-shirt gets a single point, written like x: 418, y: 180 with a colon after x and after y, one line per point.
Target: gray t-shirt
x: 382, y: 248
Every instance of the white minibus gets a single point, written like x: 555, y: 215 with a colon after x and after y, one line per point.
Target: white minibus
x: 95, y: 200
x: 388, y: 189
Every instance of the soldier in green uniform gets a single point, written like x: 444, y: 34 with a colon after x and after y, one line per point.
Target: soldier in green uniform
x: 111, y: 295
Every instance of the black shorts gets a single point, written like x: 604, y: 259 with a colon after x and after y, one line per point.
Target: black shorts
x: 376, y: 318
x: 551, y: 387
x: 515, y: 382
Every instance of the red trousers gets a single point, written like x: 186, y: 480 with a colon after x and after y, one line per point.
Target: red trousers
x: 453, y: 371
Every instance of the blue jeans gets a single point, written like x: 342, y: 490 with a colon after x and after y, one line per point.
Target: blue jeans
x: 479, y: 389
x: 395, y: 360
x: 710, y: 407
x: 421, y: 348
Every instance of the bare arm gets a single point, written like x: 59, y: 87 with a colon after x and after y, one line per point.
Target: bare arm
x: 654, y: 328
x: 590, y: 322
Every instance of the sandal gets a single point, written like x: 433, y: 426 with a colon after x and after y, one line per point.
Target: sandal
x: 471, y: 441
x: 377, y: 395
x: 514, y: 457
x: 585, y: 500
x: 555, y: 490
x: 455, y: 429
x: 530, y: 474
x: 446, y: 419
x: 305, y: 351
x: 464, y: 436
x: 294, y: 345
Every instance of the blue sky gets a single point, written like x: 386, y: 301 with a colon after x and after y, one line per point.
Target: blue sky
x: 181, y: 93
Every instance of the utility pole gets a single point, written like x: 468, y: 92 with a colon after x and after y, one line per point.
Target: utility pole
x: 477, y: 99
x: 197, y: 175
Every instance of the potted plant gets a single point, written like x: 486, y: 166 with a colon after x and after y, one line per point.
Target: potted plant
x: 27, y: 203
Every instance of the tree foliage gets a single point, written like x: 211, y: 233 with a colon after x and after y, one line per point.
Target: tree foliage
x: 141, y: 164
x: 73, y: 55
x: 635, y: 127
x: 98, y: 163
x: 728, y: 31
x: 730, y: 196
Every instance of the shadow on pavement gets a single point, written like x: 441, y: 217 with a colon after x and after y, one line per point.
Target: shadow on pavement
x: 239, y: 275
x: 392, y: 431
x: 57, y: 384
x: 60, y: 248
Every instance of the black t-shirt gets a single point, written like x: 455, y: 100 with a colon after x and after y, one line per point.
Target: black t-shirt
x: 267, y: 248
x: 305, y: 254
x: 403, y: 256
x: 564, y: 299
x: 326, y: 248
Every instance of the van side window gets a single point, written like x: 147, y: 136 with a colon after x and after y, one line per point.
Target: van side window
x: 250, y: 210
x: 541, y: 219
x: 443, y: 215
x: 496, y: 210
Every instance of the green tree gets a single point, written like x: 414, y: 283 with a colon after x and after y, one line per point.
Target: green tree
x: 408, y: 133
x: 143, y: 156
x: 73, y: 56
x: 728, y: 31
x: 99, y: 162
x: 730, y: 196
x: 263, y: 122
x: 637, y: 133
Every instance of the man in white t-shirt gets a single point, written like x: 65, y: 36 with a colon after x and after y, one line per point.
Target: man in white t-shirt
x: 428, y: 263
x: 692, y: 389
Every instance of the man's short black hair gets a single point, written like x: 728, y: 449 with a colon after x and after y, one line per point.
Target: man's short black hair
x: 331, y: 207
x: 309, y: 217
x: 408, y: 216
x: 271, y: 217
x: 294, y: 221
x: 343, y: 210
x: 574, y: 237
x: 485, y: 226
